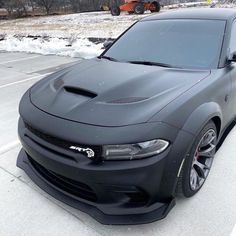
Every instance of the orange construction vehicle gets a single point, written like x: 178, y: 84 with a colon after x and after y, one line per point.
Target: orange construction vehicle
x: 135, y: 7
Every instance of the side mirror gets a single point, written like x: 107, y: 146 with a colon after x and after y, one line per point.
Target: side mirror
x: 232, y: 57
x: 107, y: 44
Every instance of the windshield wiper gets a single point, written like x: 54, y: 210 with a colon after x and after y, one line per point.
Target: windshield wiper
x: 150, y: 63
x: 108, y: 58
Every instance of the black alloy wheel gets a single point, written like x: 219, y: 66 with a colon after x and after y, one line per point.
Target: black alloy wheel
x: 197, y: 165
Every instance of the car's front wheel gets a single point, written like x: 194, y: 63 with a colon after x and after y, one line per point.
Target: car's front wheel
x: 197, y: 165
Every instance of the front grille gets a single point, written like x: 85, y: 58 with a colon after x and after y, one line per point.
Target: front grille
x: 70, y: 186
x: 62, y: 143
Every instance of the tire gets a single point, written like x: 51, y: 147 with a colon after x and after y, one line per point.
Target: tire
x: 187, y: 185
x: 157, y: 7
x: 115, y: 10
x: 139, y: 9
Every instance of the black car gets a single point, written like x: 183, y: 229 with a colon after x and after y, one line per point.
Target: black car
x: 121, y: 135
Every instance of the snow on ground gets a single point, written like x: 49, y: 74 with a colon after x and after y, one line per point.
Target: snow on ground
x: 82, y: 48
x: 93, y: 24
x: 66, y: 35
x: 75, y: 35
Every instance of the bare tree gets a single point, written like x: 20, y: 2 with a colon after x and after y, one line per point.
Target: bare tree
x: 75, y: 5
x: 32, y: 5
x: 16, y: 7
x: 47, y: 4
x: 92, y: 3
x: 9, y: 6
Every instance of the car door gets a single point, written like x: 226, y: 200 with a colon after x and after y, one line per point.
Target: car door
x: 232, y: 48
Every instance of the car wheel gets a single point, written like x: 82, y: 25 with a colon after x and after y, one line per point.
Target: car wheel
x: 139, y: 8
x: 115, y: 10
x: 155, y: 7
x: 197, y: 165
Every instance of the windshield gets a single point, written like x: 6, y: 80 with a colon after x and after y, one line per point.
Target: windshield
x: 177, y: 43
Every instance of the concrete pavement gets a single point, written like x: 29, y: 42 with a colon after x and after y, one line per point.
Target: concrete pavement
x: 27, y: 210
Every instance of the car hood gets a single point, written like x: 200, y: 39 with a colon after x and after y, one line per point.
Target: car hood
x: 106, y: 93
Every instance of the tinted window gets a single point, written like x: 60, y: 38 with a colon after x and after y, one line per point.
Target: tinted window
x: 233, y: 39
x: 181, y: 43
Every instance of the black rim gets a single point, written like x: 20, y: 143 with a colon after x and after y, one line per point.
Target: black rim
x: 202, y: 160
x: 139, y: 9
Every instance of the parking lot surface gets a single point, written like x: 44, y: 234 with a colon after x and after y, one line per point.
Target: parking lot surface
x: 27, y: 210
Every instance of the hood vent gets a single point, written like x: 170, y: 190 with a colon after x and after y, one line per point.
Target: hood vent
x: 128, y: 100
x: 80, y: 91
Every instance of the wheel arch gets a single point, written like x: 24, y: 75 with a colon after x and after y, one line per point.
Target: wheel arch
x: 201, y: 116
x: 185, y: 139
x: 195, y: 123
x: 217, y: 122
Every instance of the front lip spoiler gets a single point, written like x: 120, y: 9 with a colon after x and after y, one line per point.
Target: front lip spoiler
x: 129, y: 219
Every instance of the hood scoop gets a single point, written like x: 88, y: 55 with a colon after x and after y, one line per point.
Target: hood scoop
x: 79, y: 91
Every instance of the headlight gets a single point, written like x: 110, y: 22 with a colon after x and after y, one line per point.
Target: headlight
x: 134, y: 151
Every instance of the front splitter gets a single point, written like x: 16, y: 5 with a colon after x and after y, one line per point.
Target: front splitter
x: 127, y: 219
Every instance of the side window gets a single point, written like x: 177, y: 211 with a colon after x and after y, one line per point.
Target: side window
x: 232, y: 44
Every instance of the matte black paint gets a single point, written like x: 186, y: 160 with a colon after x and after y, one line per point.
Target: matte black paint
x: 113, y: 81
x: 99, y: 102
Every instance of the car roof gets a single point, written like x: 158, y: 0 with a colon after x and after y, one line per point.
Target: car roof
x: 199, y: 13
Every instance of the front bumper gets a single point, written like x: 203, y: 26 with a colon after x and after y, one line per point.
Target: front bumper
x: 112, y: 192
x: 104, y: 213
x: 124, y: 195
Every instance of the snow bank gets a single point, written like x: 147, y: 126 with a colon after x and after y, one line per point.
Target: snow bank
x: 82, y: 48
x: 64, y: 35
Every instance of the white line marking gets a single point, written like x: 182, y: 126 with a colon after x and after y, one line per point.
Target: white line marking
x: 19, y: 59
x: 22, y: 81
x: 233, y: 233
x: 9, y: 146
